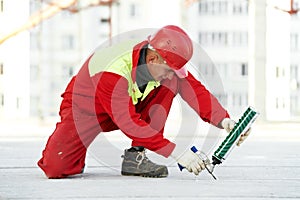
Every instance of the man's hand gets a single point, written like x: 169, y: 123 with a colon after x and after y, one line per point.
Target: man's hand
x: 228, y: 125
x: 243, y: 137
x: 191, y: 161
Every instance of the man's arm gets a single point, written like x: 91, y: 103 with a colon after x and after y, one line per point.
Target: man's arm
x: 112, y: 91
x: 206, y: 105
x: 202, y: 101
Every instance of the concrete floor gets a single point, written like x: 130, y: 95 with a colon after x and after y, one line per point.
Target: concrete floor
x: 267, y: 166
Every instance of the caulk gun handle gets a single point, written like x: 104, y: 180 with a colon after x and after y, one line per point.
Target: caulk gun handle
x: 193, y: 149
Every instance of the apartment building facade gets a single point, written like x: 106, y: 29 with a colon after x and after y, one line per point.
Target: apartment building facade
x: 59, y: 45
x: 221, y: 29
x: 14, y: 61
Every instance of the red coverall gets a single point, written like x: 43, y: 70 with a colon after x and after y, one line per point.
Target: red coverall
x: 100, y: 103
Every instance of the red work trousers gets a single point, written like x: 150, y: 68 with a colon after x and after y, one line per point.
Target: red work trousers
x: 66, y: 148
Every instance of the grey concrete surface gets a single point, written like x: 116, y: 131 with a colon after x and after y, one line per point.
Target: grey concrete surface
x: 266, y: 166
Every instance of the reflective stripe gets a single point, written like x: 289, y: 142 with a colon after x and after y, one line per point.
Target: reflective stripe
x: 150, y: 86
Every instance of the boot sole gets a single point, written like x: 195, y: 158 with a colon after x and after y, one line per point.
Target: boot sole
x: 144, y: 175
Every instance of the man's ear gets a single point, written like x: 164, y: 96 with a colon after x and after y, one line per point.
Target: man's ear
x: 151, y: 57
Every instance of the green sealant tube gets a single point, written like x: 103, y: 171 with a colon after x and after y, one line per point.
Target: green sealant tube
x: 242, y: 126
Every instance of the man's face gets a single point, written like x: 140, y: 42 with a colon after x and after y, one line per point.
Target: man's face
x: 158, y: 67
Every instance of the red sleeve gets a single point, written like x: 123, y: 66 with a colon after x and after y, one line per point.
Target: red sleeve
x: 112, y: 91
x: 202, y: 101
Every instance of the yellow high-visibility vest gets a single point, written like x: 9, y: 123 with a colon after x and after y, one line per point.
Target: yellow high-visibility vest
x: 118, y: 59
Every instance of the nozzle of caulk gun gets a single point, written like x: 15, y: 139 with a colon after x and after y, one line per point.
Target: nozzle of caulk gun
x: 195, y: 150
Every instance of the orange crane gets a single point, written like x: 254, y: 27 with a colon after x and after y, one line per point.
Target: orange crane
x: 50, y: 10
x: 292, y: 10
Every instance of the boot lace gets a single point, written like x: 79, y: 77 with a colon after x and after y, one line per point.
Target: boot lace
x: 141, y: 157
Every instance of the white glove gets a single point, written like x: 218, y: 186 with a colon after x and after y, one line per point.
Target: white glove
x: 228, y: 125
x: 191, y: 161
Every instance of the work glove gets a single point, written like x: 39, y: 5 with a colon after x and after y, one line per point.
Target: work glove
x: 189, y: 160
x: 228, y: 124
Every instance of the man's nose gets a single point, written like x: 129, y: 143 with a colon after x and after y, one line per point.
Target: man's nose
x: 165, y: 76
x: 170, y: 75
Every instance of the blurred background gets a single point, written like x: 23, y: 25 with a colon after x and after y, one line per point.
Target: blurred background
x: 254, y: 46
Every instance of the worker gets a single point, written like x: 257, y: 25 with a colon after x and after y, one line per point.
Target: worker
x: 131, y: 91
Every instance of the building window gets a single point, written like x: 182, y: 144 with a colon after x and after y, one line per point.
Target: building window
x: 1, y: 6
x: 239, y: 39
x: 222, y: 98
x: 294, y: 77
x: 240, y: 99
x: 66, y: 15
x: 280, y: 103
x: 280, y: 72
x: 223, y: 6
x: 233, y: 96
x: 34, y: 72
x: 295, y: 106
x: 277, y: 72
x: 1, y: 68
x: 67, y: 71
x: 212, y: 7
x: 34, y: 40
x: 294, y: 41
x: 296, y: 6
x: 201, y: 7
x: 71, y: 71
x: 294, y: 72
x: 34, y: 6
x: 68, y: 42
x: 201, y: 38
x: 244, y: 69
x: 213, y: 38
x: 223, y: 38
x: 205, y: 70
x: 18, y: 102
x: 132, y: 10
x: 240, y: 7
x: 245, y: 39
x: 2, y: 100
x: 222, y: 69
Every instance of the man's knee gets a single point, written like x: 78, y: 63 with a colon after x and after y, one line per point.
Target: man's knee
x: 51, y: 169
x: 54, y: 173
x: 60, y: 168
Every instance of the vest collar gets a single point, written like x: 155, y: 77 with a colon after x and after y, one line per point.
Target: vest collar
x: 135, y: 58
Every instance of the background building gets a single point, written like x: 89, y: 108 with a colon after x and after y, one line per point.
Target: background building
x: 253, y: 48
x: 295, y: 63
x: 221, y: 28
x: 58, y: 47
x: 14, y: 61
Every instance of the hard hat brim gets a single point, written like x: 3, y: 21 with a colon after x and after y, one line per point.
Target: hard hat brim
x: 182, y: 72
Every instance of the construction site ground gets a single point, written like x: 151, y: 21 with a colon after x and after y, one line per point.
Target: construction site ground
x: 266, y: 166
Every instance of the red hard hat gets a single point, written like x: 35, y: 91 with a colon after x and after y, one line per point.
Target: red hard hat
x: 175, y: 46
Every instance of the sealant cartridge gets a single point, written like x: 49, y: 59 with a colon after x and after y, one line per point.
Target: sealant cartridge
x: 241, y: 127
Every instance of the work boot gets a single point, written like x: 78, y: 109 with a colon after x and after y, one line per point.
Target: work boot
x: 136, y: 163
